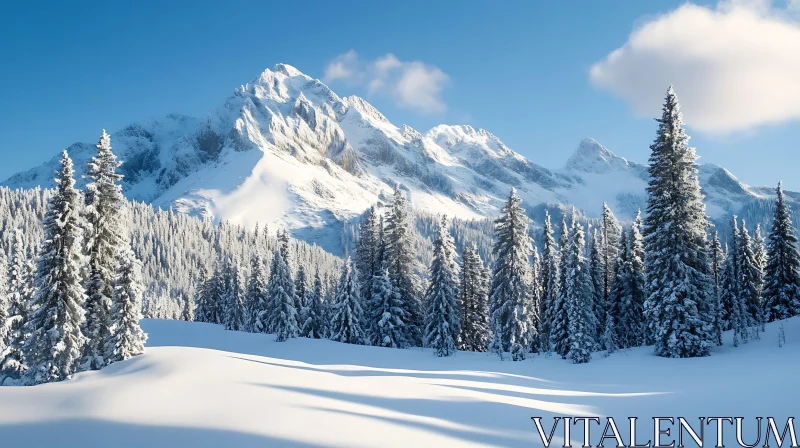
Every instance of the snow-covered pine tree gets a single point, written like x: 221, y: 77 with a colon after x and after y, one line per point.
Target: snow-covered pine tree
x: 366, y: 257
x: 782, y: 272
x: 281, y: 298
x: 20, y: 291
x: 717, y: 269
x: 106, y: 237
x: 256, y: 296
x: 678, y: 269
x: 512, y: 320
x: 233, y: 300
x: 347, y: 319
x: 732, y: 301
x: 619, y: 300
x: 54, y: 345
x: 536, y: 301
x: 610, y: 336
x: 314, y: 325
x: 442, y: 320
x: 559, y: 317
x: 127, y: 338
x: 550, y: 282
x: 386, y: 317
x: 187, y: 312
x: 580, y: 298
x: 401, y: 266
x: 205, y: 308
x: 301, y: 295
x: 597, y: 278
x: 474, y: 302
x: 5, y: 327
x: 611, y: 232
x: 638, y: 281
x: 749, y: 279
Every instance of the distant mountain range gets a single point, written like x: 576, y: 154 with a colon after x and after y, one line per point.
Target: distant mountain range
x: 286, y: 150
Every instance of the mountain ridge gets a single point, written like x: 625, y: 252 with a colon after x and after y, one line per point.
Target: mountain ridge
x: 286, y: 150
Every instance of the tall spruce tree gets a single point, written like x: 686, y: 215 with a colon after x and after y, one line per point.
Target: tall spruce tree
x: 597, y: 280
x: 282, y: 313
x: 611, y: 232
x: 678, y: 269
x: 233, y: 300
x: 619, y: 300
x: 5, y: 327
x: 442, y: 320
x: 550, y: 282
x: 638, y: 281
x: 401, y: 266
x: 782, y: 271
x: 127, y: 338
x: 54, y: 345
x: 256, y: 296
x: 474, y: 302
x: 749, y: 279
x: 717, y: 270
x: 579, y: 298
x: 367, y: 246
x: 20, y: 291
x: 313, y: 327
x: 347, y: 319
x: 559, y: 317
x: 106, y: 238
x: 513, y: 320
x: 385, y: 314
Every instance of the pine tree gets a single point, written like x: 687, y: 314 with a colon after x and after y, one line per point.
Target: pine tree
x: 717, y: 265
x: 187, y: 312
x: 346, y: 322
x: 620, y: 303
x: 386, y: 317
x: 205, y: 310
x: 511, y: 317
x: 20, y: 292
x: 127, y: 338
x: 280, y: 292
x: 597, y: 279
x: 610, y: 336
x: 678, y: 269
x: 579, y: 298
x: 314, y: 325
x: 53, y: 349
x: 442, y: 320
x: 401, y: 266
x: 611, y: 232
x: 256, y: 296
x: 301, y: 295
x: 732, y: 298
x: 749, y: 278
x: 550, y: 282
x: 638, y: 282
x: 782, y: 271
x: 474, y: 302
x: 559, y: 317
x: 5, y: 327
x: 367, y: 251
x: 233, y: 299
x: 106, y: 237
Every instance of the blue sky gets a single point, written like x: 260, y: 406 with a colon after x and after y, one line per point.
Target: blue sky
x: 522, y: 70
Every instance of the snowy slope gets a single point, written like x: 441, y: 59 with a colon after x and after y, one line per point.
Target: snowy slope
x: 199, y: 386
x: 286, y: 149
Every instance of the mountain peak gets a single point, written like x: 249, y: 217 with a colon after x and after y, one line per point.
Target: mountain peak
x: 592, y: 157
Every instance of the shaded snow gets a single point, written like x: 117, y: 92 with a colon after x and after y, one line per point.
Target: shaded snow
x: 197, y: 385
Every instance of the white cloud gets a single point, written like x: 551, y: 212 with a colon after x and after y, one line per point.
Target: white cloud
x: 344, y: 66
x: 412, y: 84
x: 735, y: 67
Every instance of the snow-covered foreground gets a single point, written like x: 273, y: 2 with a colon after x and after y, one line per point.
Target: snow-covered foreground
x: 200, y: 386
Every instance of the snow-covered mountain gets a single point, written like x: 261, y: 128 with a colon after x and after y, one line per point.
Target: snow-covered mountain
x: 285, y: 149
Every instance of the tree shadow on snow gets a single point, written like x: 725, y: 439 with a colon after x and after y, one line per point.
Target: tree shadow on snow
x: 87, y: 433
